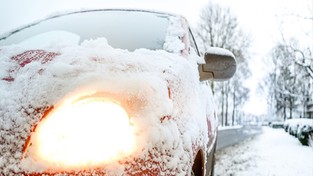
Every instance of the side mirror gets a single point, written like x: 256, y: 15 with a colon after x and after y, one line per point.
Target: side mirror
x: 220, y: 65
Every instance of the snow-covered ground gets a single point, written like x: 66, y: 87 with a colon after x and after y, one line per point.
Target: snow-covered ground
x: 273, y: 153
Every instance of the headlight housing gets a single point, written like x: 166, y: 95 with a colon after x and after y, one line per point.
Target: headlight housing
x: 82, y: 133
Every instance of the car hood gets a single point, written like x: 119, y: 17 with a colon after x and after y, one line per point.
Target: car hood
x: 164, y: 87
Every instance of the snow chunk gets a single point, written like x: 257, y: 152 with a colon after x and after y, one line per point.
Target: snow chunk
x: 175, y: 33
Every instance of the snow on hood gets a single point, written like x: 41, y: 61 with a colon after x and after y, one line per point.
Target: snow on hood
x: 94, y: 67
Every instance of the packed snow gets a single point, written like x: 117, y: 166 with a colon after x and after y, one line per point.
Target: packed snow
x: 161, y: 88
x: 274, y: 152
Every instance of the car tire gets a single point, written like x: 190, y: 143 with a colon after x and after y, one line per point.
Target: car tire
x: 303, y: 138
x: 311, y: 138
x: 197, y: 168
x: 192, y: 173
x: 211, y: 162
x: 198, y: 164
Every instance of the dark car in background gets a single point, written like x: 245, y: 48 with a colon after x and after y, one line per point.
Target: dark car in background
x: 276, y: 124
x: 301, y: 128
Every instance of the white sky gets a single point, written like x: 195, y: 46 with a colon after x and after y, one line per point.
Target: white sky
x: 261, y: 19
x: 16, y: 12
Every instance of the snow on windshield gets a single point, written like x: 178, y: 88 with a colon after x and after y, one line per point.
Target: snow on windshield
x: 123, y: 29
x: 175, y: 33
x: 94, y: 66
x: 51, y: 38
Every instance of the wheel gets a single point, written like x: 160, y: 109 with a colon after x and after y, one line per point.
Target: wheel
x: 303, y: 138
x: 211, y: 162
x: 192, y: 173
x: 198, y: 164
x: 311, y: 138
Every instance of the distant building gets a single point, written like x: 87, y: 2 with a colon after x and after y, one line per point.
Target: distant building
x: 309, y: 110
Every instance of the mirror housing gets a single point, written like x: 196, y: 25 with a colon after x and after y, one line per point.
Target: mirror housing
x: 220, y: 65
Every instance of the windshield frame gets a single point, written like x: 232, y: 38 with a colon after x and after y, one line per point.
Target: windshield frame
x: 4, y: 42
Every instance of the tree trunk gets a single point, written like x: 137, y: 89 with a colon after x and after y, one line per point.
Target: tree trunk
x: 234, y: 107
x: 290, y: 107
x: 226, y: 108
x: 285, y: 109
x: 222, y: 113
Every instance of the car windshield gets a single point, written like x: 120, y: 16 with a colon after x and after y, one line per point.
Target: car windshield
x: 126, y: 29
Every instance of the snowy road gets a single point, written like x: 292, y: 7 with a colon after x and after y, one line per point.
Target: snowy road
x: 272, y: 153
x: 230, y: 136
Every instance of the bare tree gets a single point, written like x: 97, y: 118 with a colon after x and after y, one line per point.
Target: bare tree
x: 218, y: 27
x: 291, y: 83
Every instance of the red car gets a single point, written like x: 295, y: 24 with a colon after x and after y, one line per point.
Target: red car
x: 108, y: 92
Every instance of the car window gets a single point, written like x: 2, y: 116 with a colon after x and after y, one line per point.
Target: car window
x: 122, y: 29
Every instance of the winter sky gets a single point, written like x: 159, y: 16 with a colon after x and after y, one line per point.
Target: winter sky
x: 262, y: 19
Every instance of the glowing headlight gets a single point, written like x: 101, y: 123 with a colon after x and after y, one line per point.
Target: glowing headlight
x: 81, y: 134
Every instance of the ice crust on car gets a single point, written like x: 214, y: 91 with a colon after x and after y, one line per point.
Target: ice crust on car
x: 174, y: 35
x: 92, y: 67
x: 220, y: 51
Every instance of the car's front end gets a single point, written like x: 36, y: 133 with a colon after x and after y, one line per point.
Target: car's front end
x: 80, y: 111
x: 74, y: 102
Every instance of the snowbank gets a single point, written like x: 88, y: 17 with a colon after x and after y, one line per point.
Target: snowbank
x: 271, y: 153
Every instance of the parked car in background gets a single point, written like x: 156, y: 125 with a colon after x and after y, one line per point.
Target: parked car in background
x: 304, y: 134
x: 311, y: 138
x: 108, y: 92
x: 291, y: 126
x: 276, y: 124
x: 300, y: 128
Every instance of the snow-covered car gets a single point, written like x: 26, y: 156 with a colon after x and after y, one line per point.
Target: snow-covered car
x: 304, y: 134
x: 291, y: 126
x: 277, y: 124
x: 108, y: 92
x: 305, y: 130
x: 300, y: 128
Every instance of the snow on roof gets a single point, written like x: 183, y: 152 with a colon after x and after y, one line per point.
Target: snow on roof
x: 299, y: 122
